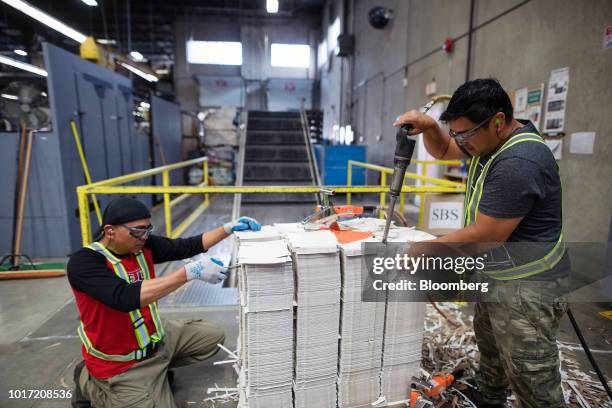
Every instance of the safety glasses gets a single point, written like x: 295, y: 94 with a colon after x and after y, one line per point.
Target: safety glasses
x: 139, y: 232
x: 463, y: 136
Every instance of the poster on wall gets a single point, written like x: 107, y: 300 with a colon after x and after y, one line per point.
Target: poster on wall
x: 527, y: 103
x: 554, y: 119
x: 520, y: 103
x: 534, y: 104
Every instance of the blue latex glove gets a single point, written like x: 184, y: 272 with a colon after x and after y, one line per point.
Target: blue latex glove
x: 242, y: 224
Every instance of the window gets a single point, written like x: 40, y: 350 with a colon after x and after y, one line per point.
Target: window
x: 322, y: 54
x: 214, y: 52
x: 291, y: 55
x: 332, y: 34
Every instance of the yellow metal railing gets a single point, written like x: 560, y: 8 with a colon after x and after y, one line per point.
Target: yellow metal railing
x: 118, y: 183
x: 117, y: 186
x: 441, y: 185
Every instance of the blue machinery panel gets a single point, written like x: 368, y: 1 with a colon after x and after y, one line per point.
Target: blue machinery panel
x: 167, y: 136
x: 333, y: 164
x: 100, y: 101
x: 45, y: 231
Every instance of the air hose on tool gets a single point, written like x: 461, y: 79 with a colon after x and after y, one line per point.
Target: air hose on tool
x: 588, y: 353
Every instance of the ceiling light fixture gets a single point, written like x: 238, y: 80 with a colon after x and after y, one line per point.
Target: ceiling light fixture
x: 9, y: 96
x: 136, y: 56
x: 46, y: 19
x: 22, y: 65
x: 142, y: 74
x: 106, y: 41
x: 20, y: 52
x: 91, y: 3
x: 272, y: 6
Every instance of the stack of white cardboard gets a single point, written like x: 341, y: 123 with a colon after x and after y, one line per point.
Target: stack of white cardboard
x: 380, y: 341
x: 361, y: 335
x: 265, y: 344
x: 403, y: 339
x: 317, y: 274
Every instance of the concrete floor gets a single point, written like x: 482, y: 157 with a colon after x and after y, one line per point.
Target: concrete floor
x: 38, y: 320
x: 41, y: 348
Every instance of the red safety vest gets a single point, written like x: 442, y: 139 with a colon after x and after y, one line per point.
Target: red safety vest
x: 113, y: 340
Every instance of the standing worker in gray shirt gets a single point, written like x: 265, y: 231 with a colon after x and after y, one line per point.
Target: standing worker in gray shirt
x: 513, y: 195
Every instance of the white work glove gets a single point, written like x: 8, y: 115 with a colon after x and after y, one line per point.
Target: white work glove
x: 242, y: 224
x: 207, y: 269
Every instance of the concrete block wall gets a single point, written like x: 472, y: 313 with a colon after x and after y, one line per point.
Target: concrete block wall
x: 528, y: 39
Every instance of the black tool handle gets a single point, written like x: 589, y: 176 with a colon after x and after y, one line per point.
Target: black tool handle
x: 403, y: 153
x: 405, y: 129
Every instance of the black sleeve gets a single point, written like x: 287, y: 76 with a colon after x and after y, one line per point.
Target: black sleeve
x: 512, y: 187
x: 88, y: 273
x: 166, y: 249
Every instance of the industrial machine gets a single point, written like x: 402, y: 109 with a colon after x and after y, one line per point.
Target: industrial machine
x: 24, y: 104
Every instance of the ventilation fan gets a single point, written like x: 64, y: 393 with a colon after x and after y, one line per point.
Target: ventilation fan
x: 23, y: 103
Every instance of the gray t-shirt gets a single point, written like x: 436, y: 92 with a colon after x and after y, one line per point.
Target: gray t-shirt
x: 523, y: 181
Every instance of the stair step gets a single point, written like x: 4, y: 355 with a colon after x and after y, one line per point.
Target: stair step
x: 294, y: 153
x: 277, y: 171
x: 275, y: 131
x: 269, y: 114
x: 278, y: 138
x: 273, y: 124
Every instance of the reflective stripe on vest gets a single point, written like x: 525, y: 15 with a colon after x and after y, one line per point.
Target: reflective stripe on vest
x: 472, y: 200
x: 140, y: 329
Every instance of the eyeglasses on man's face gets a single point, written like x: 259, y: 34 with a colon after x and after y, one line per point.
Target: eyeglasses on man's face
x: 461, y: 137
x: 140, y: 232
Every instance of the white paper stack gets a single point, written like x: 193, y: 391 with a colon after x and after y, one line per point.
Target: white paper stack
x: 317, y: 274
x: 267, y: 233
x: 265, y: 344
x: 404, y: 326
x: 300, y: 292
x: 285, y: 228
x: 266, y: 276
x: 361, y: 335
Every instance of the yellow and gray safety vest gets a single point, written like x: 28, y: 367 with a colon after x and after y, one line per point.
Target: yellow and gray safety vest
x: 472, y: 200
x: 145, y: 341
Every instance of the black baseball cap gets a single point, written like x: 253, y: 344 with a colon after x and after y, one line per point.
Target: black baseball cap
x: 121, y: 210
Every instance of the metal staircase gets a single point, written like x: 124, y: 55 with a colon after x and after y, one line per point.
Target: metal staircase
x: 276, y: 153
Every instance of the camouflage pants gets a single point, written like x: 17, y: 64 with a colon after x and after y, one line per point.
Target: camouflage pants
x: 516, y: 333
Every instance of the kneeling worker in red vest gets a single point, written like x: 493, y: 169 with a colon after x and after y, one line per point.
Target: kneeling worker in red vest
x: 127, y: 348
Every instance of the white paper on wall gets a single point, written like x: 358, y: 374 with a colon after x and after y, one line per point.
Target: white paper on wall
x: 582, y: 142
x: 556, y: 147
